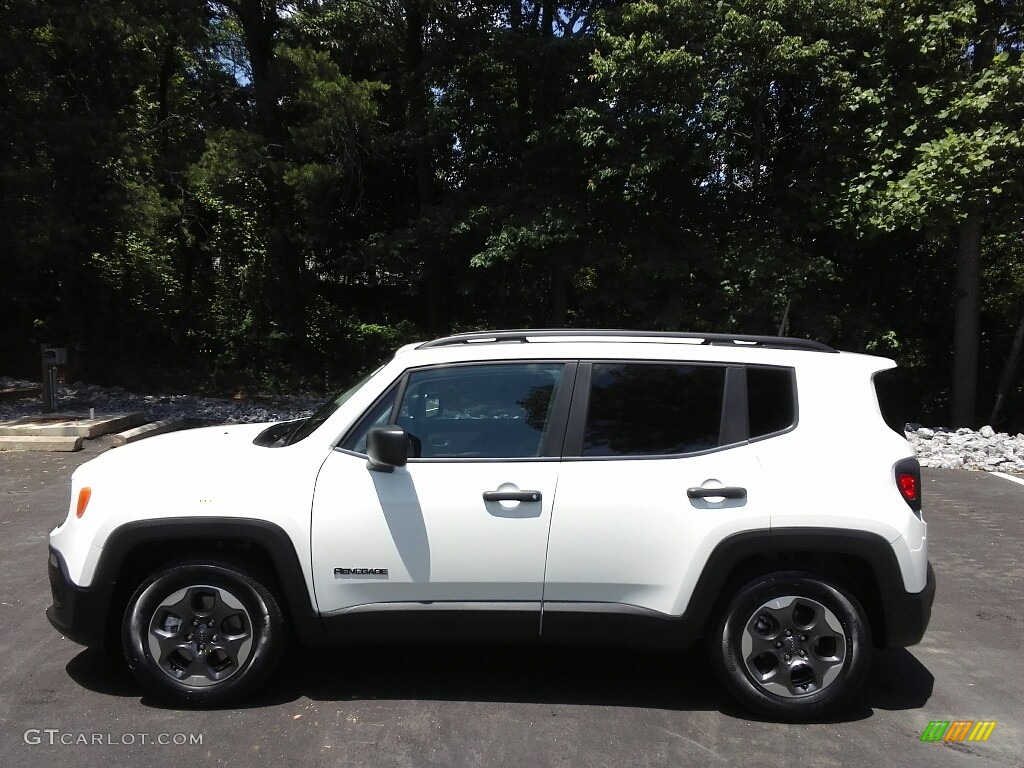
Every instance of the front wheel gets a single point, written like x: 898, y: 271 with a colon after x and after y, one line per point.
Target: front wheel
x: 792, y: 646
x: 202, y: 633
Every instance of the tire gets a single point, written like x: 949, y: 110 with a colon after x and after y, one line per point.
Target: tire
x: 792, y: 646
x: 202, y: 633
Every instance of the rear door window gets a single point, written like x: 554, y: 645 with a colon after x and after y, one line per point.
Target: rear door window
x: 651, y: 409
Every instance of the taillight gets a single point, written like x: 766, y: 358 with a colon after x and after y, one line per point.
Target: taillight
x: 908, y: 481
x: 908, y: 486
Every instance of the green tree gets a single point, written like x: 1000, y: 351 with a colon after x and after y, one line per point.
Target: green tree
x: 66, y: 76
x: 943, y: 104
x: 715, y: 148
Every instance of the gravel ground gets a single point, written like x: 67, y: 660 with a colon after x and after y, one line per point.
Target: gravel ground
x: 939, y: 448
x: 79, y: 397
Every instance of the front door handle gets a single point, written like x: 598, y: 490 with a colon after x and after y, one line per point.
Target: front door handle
x: 726, y: 493
x: 511, y: 495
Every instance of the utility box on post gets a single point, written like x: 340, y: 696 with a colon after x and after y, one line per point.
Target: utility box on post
x: 52, y: 358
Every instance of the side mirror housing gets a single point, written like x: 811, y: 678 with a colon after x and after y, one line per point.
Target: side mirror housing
x: 387, y: 447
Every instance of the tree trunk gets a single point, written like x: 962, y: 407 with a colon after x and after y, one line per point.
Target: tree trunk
x: 259, y: 25
x: 1006, y: 380
x: 559, y: 292
x: 287, y: 297
x: 548, y: 10
x: 966, y: 336
x: 435, y: 282
x: 168, y: 68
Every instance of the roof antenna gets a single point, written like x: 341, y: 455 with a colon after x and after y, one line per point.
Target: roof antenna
x: 785, y: 319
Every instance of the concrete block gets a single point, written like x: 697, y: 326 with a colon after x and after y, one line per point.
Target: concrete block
x: 69, y: 425
x: 36, y: 443
x: 19, y: 393
x: 149, y: 430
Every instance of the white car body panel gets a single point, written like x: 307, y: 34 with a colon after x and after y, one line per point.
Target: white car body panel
x: 624, y: 530
x: 428, y: 525
x: 839, y: 400
x: 210, y: 472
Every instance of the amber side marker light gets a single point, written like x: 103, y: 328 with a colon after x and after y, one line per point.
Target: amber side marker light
x: 83, y: 501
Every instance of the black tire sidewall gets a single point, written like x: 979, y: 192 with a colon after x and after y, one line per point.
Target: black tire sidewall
x: 264, y: 616
x: 726, y: 645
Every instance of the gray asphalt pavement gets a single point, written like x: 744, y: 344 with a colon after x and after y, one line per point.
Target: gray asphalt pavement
x: 536, y: 707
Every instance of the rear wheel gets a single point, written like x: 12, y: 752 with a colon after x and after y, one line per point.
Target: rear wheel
x: 202, y: 633
x: 792, y: 646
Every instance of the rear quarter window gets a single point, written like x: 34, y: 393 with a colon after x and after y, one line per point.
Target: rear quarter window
x: 897, y: 392
x: 771, y: 400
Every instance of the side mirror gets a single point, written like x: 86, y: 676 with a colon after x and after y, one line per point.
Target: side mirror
x: 387, y: 448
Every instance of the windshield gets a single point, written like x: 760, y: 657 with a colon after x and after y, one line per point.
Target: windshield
x: 324, y: 412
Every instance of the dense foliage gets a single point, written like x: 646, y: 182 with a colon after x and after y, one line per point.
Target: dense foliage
x: 276, y: 194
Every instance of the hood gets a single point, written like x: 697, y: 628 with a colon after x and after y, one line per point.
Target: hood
x: 203, y: 450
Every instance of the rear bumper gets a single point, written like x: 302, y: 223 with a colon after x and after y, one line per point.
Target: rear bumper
x: 80, y: 614
x: 907, y: 614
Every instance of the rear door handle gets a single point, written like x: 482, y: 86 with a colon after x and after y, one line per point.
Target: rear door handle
x: 727, y: 493
x: 511, y: 495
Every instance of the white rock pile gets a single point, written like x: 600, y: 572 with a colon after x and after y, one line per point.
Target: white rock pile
x: 985, y: 449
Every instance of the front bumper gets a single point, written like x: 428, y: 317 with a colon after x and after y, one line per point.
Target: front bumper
x: 80, y: 614
x: 907, y: 614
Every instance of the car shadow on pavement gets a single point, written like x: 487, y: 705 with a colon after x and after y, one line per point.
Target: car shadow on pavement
x: 516, y: 674
x: 102, y: 672
x: 897, y: 681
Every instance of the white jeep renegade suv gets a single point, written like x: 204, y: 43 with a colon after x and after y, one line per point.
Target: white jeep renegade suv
x: 560, y: 484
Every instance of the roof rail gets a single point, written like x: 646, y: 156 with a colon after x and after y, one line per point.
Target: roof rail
x: 582, y: 334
